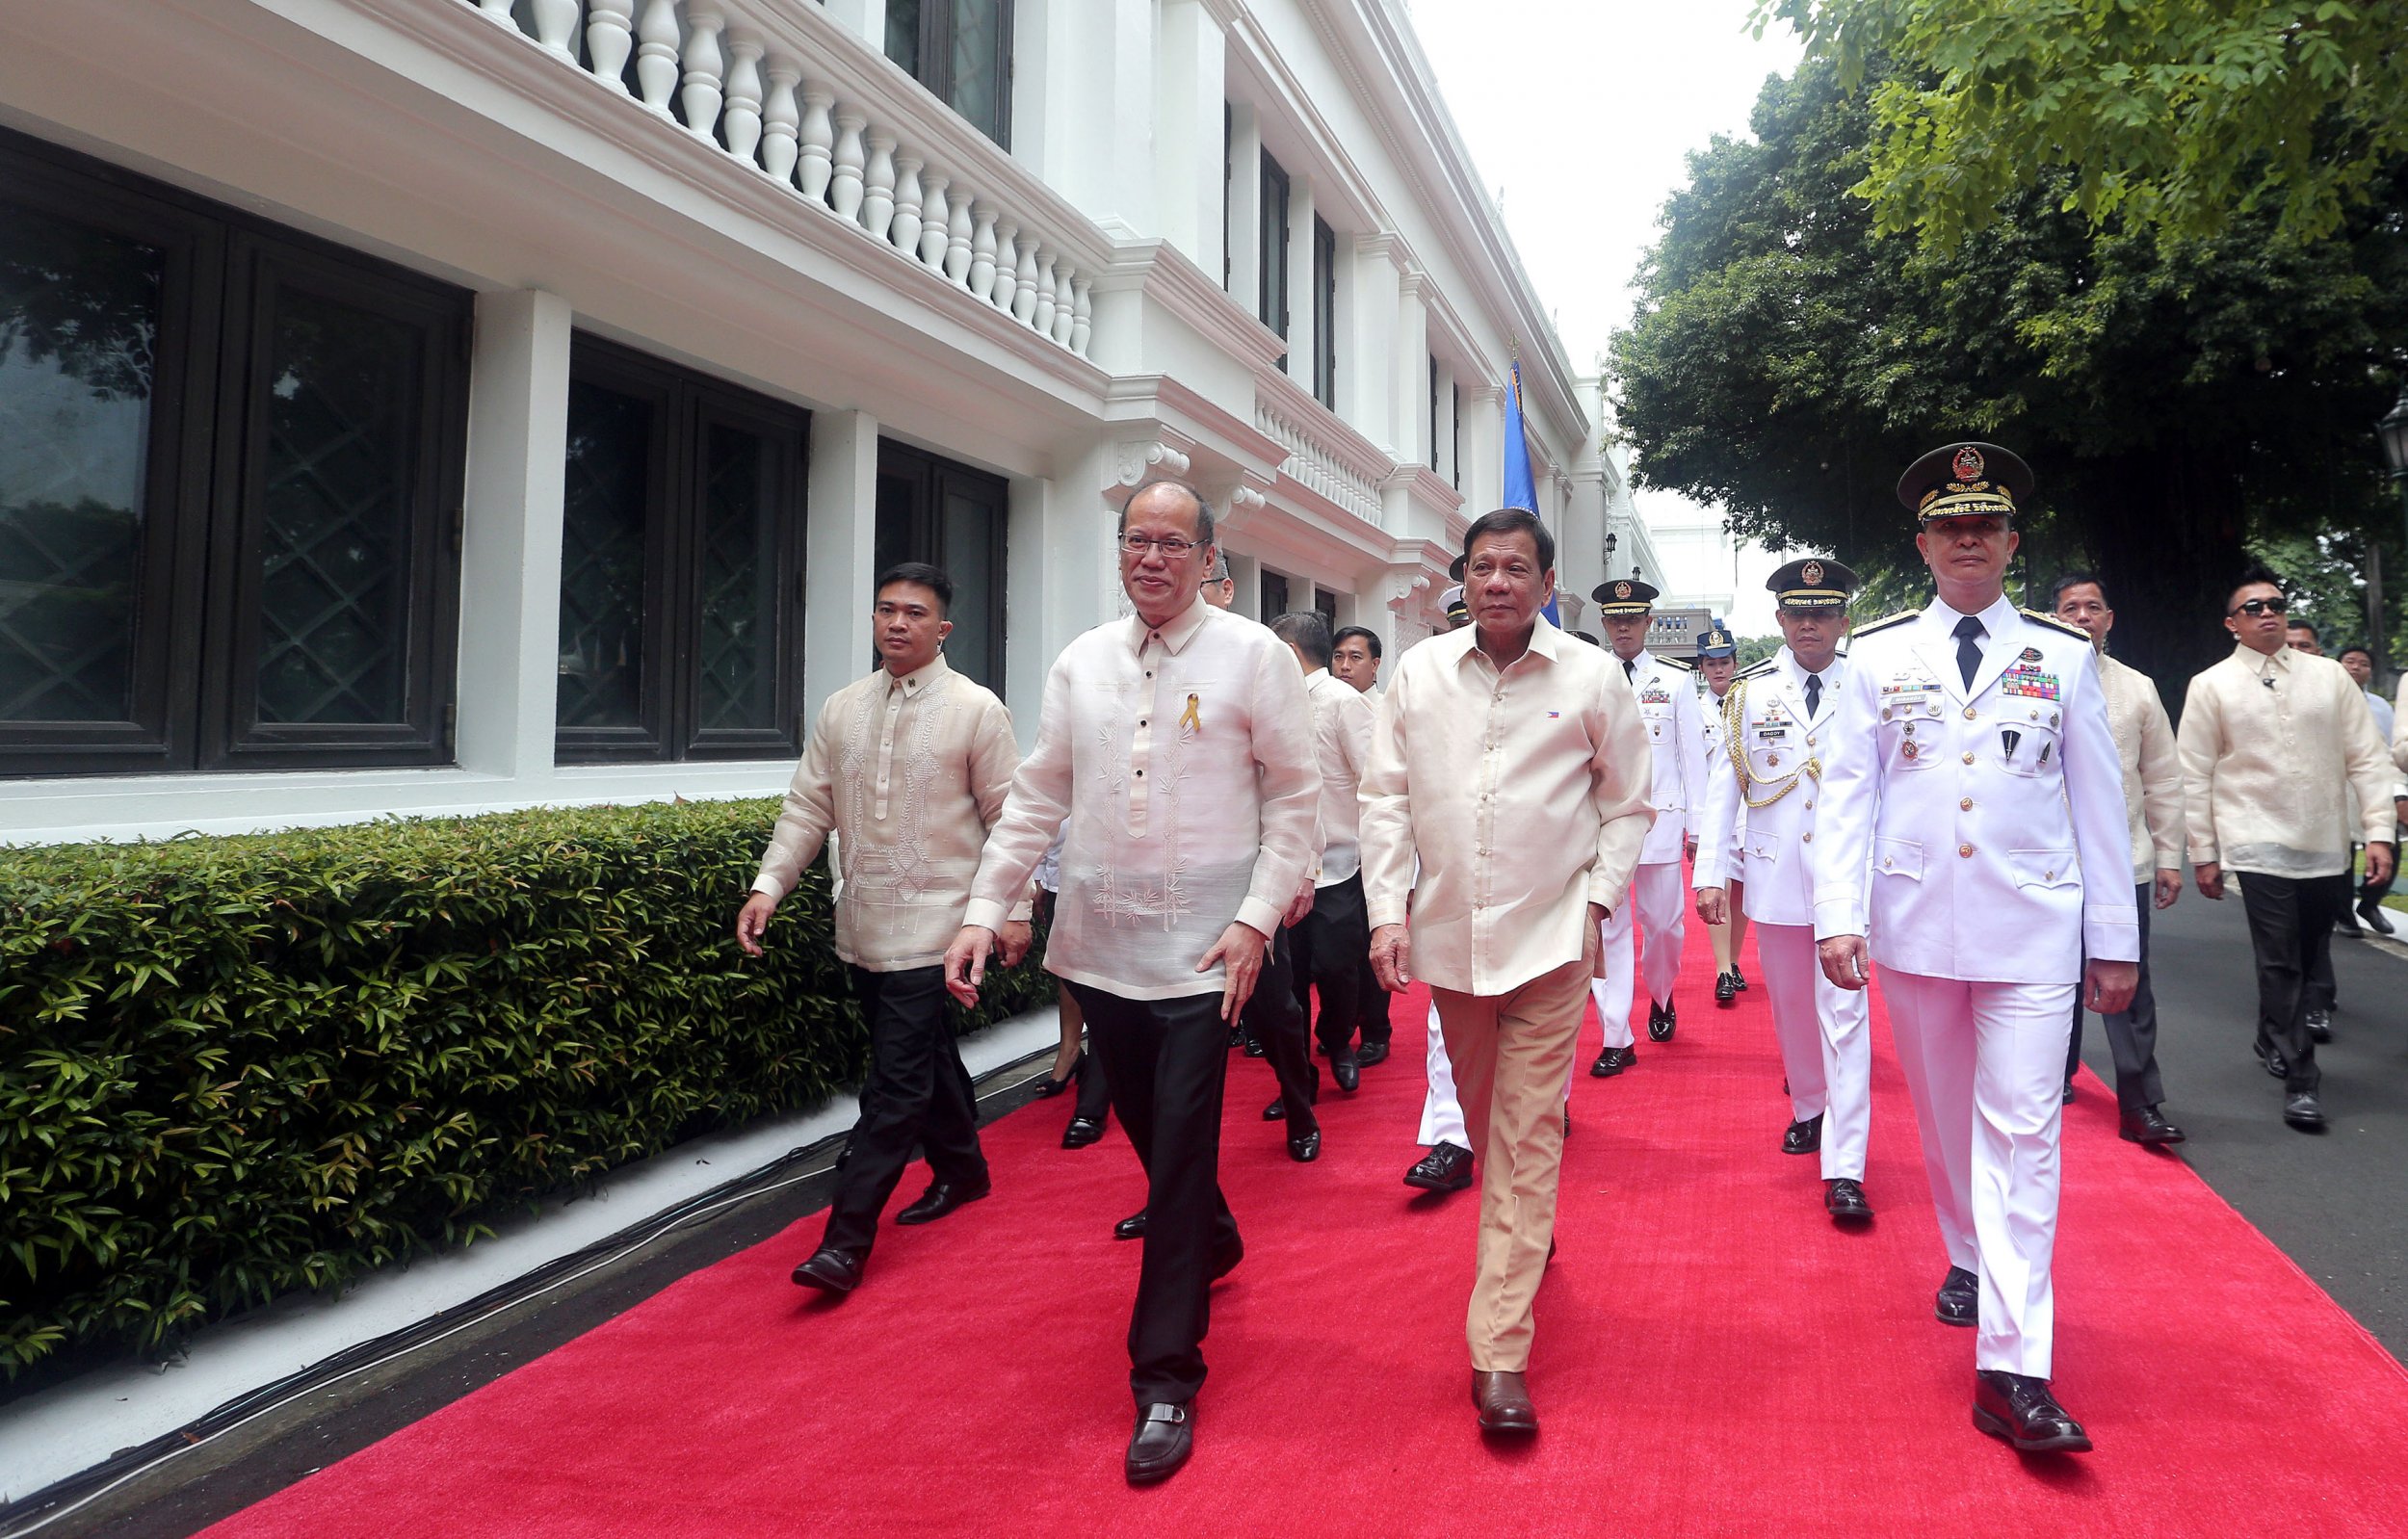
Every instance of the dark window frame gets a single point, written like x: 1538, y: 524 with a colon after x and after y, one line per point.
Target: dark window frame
x: 1272, y: 298
x: 935, y: 65
x: 932, y: 479
x: 1433, y: 413
x: 1454, y: 428
x: 1273, y: 584
x: 685, y: 405
x: 191, y: 644
x: 1324, y: 313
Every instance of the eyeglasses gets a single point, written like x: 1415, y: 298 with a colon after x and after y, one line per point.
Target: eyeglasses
x: 2258, y: 606
x: 1171, y: 546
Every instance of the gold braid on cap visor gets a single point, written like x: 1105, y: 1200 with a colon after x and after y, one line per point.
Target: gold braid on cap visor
x: 1813, y: 599
x: 1957, y: 499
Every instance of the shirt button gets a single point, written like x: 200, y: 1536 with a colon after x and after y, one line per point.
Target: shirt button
x: 1810, y: 806
x: 1969, y: 758
x: 1966, y: 805
x: 1965, y: 851
x: 1140, y: 775
x: 1808, y: 837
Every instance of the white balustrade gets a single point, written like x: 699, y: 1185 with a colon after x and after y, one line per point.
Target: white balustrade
x: 729, y: 69
x: 1351, y: 481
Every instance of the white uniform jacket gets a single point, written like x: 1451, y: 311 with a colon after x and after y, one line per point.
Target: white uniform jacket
x: 1676, y: 730
x: 1992, y: 818
x: 1770, y: 845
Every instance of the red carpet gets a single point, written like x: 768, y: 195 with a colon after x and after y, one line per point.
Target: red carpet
x: 1714, y: 1357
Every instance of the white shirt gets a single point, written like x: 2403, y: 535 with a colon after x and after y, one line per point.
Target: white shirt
x: 2153, y: 772
x: 2270, y: 746
x: 1342, y: 745
x: 1183, y: 759
x: 1769, y: 845
x: 1676, y: 732
x: 909, y: 773
x: 1524, y: 793
x: 1975, y: 833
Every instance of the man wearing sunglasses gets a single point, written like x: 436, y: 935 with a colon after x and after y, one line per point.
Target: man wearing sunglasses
x: 2272, y: 742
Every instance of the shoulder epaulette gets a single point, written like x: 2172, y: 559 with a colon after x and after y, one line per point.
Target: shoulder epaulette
x: 1884, y: 623
x: 1758, y: 668
x: 1676, y: 663
x: 2053, y: 623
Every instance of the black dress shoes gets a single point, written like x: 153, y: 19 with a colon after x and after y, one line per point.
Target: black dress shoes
x: 1726, y: 987
x: 2321, y: 1026
x: 1447, y: 1167
x: 1132, y: 1227
x: 1305, y: 1148
x: 1803, y: 1138
x: 1371, y: 1053
x: 2304, y: 1112
x: 1845, y: 1201
x: 830, y: 1270
x: 1959, y: 1300
x: 1347, y: 1069
x: 2147, y: 1125
x: 1276, y: 1112
x: 2020, y: 1409
x: 1253, y: 1046
x: 1660, y: 1021
x: 1237, y: 1036
x: 1612, y: 1061
x: 1165, y: 1437
x: 941, y: 1198
x: 1226, y: 1260
x: 1738, y: 977
x: 2371, y: 910
x: 2272, y: 1057
x: 2346, y: 923
x: 1082, y: 1131
x: 1504, y: 1402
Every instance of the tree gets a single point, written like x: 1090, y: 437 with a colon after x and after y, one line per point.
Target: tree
x: 2173, y: 396
x: 2182, y: 115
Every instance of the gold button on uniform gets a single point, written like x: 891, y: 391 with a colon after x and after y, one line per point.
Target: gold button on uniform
x: 1965, y: 851
x: 1969, y: 713
x: 1808, y: 837
x: 1966, y: 805
x: 1969, y: 758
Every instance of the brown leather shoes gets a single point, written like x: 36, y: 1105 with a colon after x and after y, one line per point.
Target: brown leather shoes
x: 1503, y: 1404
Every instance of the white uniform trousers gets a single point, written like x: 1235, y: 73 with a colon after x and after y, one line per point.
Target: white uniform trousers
x: 1825, y: 1034
x: 1985, y: 1063
x: 1441, y: 1114
x: 1658, y: 895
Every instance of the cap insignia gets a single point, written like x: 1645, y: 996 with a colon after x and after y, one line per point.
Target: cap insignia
x: 1621, y: 591
x: 1811, y: 574
x: 1968, y: 464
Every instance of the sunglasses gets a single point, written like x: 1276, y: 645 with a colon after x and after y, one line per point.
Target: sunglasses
x: 2258, y: 606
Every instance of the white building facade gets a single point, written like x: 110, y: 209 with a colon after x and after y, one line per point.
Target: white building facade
x: 427, y: 405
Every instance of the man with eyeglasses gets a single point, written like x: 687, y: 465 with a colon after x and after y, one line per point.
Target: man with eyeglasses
x: 1178, y: 746
x: 2272, y: 742
x: 1972, y: 830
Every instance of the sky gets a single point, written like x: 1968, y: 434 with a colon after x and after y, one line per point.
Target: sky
x: 1583, y: 113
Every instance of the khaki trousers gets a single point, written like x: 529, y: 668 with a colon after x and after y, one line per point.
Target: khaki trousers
x: 1510, y: 1053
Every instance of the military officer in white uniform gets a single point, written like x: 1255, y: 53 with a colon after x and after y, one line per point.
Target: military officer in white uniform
x: 1971, y: 822
x: 1717, y: 665
x: 1667, y: 700
x: 1780, y: 715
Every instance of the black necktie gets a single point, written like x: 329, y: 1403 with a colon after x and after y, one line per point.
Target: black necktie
x: 1969, y: 633
x: 1630, y: 668
x: 1813, y: 692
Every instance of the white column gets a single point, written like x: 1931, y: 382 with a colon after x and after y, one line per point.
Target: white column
x: 1082, y: 114
x: 1243, y: 276
x: 840, y: 552
x: 1059, y: 572
x: 1483, y: 448
x: 1366, y: 391
x: 1303, y: 345
x: 1411, y: 433
x: 1190, y: 52
x: 509, y: 598
x: 1445, y: 442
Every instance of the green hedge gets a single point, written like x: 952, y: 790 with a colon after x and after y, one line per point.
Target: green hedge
x: 232, y: 1068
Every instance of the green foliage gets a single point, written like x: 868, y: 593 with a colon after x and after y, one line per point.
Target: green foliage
x: 232, y: 1068
x: 2173, y: 397
x: 2185, y: 116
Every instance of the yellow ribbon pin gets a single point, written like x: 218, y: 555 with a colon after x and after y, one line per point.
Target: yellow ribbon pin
x: 1191, y: 719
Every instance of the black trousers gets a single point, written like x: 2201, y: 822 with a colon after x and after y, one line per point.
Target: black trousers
x: 2321, y: 991
x: 1168, y: 1059
x: 1332, y: 943
x: 2132, y: 1034
x: 918, y: 1092
x: 2291, y: 924
x: 1372, y: 1003
x: 1095, y: 1087
x: 1273, y: 1018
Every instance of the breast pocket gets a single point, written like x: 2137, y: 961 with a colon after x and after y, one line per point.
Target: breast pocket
x: 2031, y: 747
x: 1910, y: 742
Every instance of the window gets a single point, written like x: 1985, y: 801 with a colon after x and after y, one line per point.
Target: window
x: 1275, y: 247
x: 1433, y: 412
x: 1275, y: 597
x: 1326, y: 602
x: 961, y: 50
x: 230, y: 464
x: 680, y: 564
x: 950, y: 515
x: 1325, y: 313
x: 1454, y: 425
